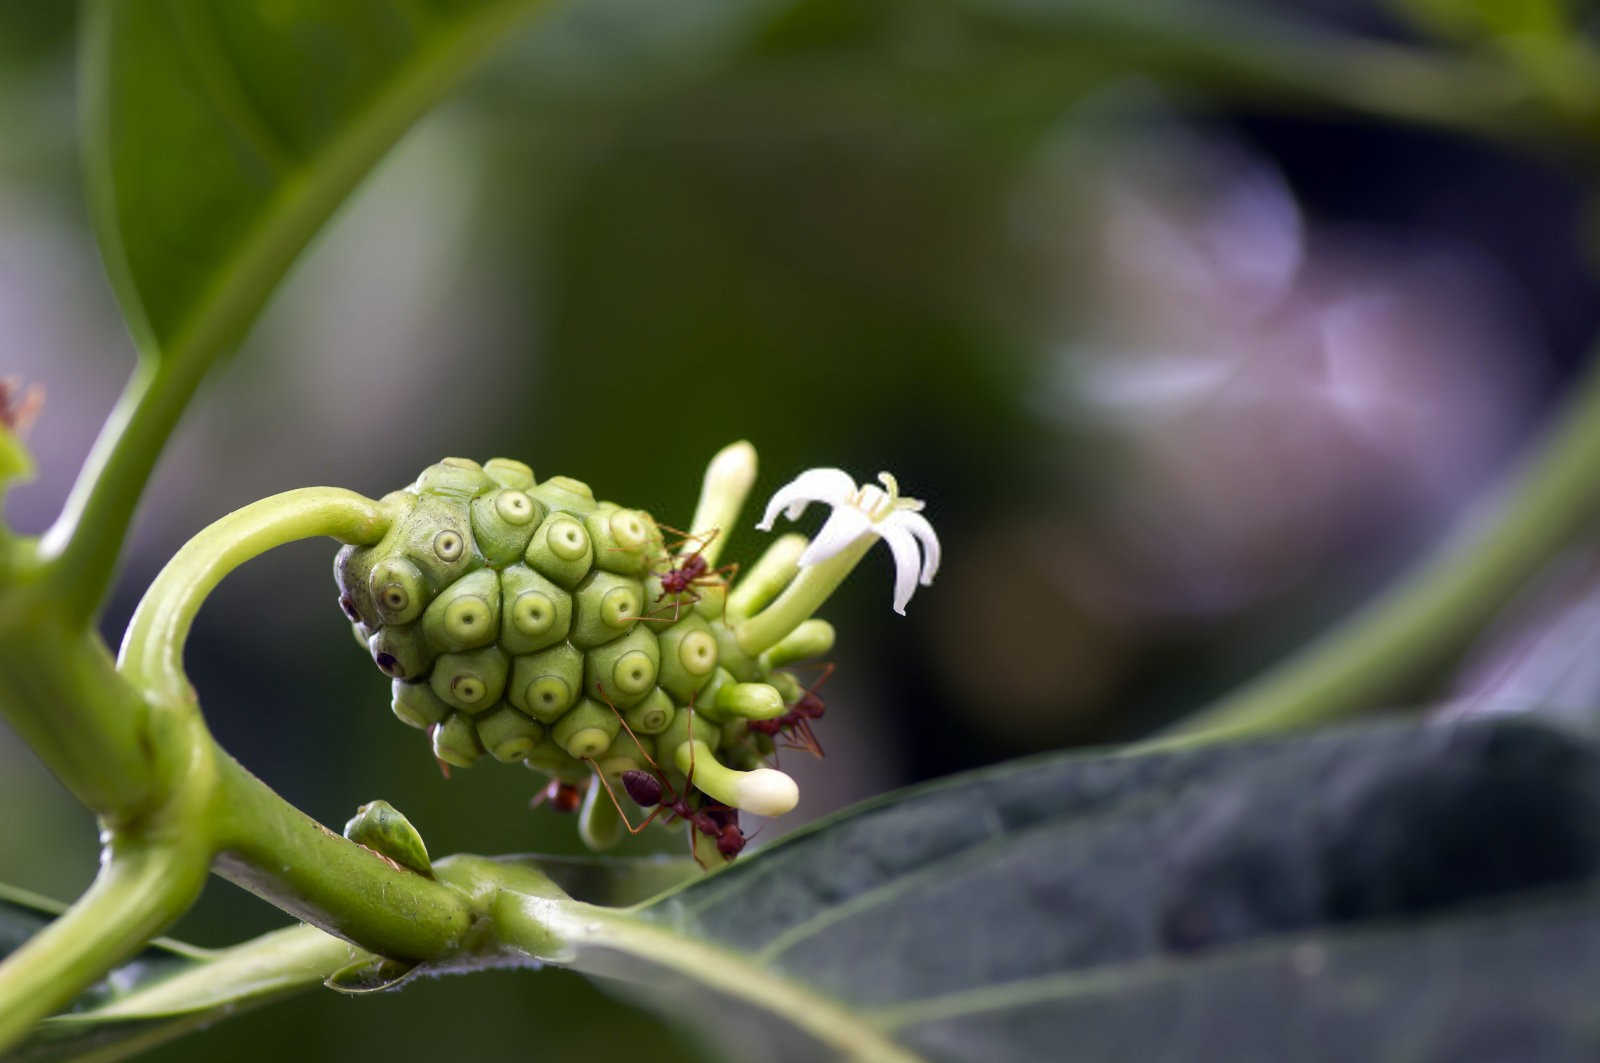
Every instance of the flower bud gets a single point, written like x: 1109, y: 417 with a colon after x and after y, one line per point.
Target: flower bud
x: 381, y: 828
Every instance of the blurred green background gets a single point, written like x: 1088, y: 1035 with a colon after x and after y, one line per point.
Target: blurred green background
x: 1181, y: 376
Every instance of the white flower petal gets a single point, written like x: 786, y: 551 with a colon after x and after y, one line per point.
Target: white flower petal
x: 907, y: 559
x: 918, y: 525
x: 843, y: 528
x: 832, y: 486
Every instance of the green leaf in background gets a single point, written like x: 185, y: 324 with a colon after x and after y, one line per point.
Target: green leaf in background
x: 1415, y: 891
x: 170, y: 988
x: 1400, y: 890
x: 221, y: 135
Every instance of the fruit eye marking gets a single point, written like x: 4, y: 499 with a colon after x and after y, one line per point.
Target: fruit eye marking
x: 627, y: 529
x: 514, y: 507
x: 397, y: 590
x: 567, y: 539
x: 448, y: 545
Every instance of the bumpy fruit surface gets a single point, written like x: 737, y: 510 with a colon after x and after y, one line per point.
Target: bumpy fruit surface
x: 527, y: 621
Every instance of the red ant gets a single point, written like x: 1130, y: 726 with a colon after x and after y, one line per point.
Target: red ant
x: 563, y: 796
x: 690, y: 572
x: 650, y: 789
x: 796, y: 723
x: 19, y: 406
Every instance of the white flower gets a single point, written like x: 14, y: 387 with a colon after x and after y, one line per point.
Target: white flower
x: 864, y: 510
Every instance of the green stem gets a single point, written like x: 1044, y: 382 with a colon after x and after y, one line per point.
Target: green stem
x: 140, y: 891
x: 280, y: 854
x: 152, y: 648
x: 1433, y: 614
x: 800, y: 598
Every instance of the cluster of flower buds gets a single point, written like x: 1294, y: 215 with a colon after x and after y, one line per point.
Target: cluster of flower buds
x: 525, y: 620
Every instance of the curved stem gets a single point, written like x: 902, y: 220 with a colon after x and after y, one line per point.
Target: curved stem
x: 152, y: 648
x: 140, y: 891
x: 1431, y: 615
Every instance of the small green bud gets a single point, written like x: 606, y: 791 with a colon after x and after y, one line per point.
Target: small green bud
x: 810, y: 640
x: 605, y: 607
x: 460, y: 478
x: 622, y: 672
x: 503, y: 522
x: 508, y: 472
x: 587, y: 730
x: 561, y: 550
x: 508, y: 735
x: 381, y: 828
x: 751, y: 701
x: 652, y: 715
x: 377, y: 974
x: 400, y: 651
x: 688, y: 656
x: 763, y: 792
x: 544, y: 685
x: 599, y: 822
x: 456, y: 741
x: 466, y: 614
x: 417, y: 705
x: 471, y: 681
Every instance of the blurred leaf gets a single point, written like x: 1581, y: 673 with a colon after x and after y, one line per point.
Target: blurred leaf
x: 1544, y: 660
x: 612, y: 881
x: 1354, y: 894
x: 1401, y: 890
x: 221, y: 135
x: 169, y: 988
x: 1478, y: 18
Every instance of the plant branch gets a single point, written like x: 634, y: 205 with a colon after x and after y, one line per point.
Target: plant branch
x: 152, y: 648
x: 141, y: 889
x: 288, y: 859
x: 1430, y: 616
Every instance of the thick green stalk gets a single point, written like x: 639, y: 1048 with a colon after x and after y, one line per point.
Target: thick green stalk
x: 140, y: 891
x: 1433, y: 614
x: 280, y: 854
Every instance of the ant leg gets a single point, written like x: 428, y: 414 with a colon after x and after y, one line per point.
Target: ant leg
x: 598, y: 774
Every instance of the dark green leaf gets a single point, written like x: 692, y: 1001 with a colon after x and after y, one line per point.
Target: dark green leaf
x: 221, y: 135
x: 1403, y: 890
x: 169, y: 988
